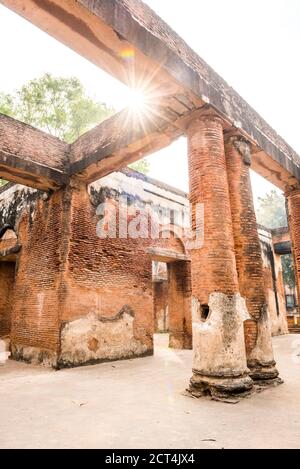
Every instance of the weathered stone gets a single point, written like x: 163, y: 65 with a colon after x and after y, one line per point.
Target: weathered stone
x: 34, y: 355
x: 219, y: 364
x: 94, y: 339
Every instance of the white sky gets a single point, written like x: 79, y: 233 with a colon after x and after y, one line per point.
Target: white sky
x: 254, y: 45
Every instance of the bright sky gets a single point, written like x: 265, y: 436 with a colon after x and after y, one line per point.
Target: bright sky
x: 253, y: 44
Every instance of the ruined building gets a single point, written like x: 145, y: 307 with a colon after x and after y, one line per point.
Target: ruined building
x: 70, y: 296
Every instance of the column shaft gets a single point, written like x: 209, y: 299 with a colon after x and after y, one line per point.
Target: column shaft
x: 249, y: 260
x: 218, y: 310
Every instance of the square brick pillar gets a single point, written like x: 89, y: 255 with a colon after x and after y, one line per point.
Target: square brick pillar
x: 260, y: 359
x: 219, y: 311
x: 179, y: 298
x: 293, y: 213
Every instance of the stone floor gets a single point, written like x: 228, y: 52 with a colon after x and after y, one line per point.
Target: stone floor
x: 141, y: 404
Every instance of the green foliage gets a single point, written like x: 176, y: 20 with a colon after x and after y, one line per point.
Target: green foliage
x: 271, y: 212
x: 288, y: 270
x: 142, y: 166
x: 60, y: 107
x: 56, y: 105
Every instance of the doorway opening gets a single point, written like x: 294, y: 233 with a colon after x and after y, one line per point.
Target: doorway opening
x: 7, y: 280
x: 172, y: 304
x: 8, y: 256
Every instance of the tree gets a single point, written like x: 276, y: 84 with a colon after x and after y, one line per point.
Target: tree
x: 142, y: 166
x: 271, y: 212
x: 288, y: 270
x: 59, y: 106
x: 56, y: 105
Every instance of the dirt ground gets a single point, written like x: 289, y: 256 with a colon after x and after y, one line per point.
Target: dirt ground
x: 141, y: 404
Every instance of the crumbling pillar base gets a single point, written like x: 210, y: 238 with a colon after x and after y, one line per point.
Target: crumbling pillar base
x: 260, y: 359
x: 222, y: 387
x: 220, y: 368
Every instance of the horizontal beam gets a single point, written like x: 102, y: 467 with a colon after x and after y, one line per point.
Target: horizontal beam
x: 166, y: 255
x: 119, y: 141
x: 16, y: 169
x: 128, y: 40
x: 31, y: 157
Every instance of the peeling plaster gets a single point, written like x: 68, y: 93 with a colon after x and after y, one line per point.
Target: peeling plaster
x: 93, y: 338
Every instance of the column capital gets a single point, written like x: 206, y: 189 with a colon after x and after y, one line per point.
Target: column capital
x: 292, y: 192
x: 241, y: 145
x: 193, y: 122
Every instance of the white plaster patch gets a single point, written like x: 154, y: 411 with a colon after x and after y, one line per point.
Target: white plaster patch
x: 263, y: 350
x: 4, y: 351
x: 218, y: 342
x: 278, y: 322
x: 92, y: 338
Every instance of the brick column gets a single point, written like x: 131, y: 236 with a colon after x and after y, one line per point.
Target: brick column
x: 218, y: 309
x: 293, y: 213
x: 259, y: 350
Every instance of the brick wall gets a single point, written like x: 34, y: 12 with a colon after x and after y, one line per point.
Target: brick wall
x: 32, y: 144
x: 273, y: 283
x: 180, y: 320
x: 68, y: 280
x: 105, y: 275
x: 160, y: 304
x: 42, y: 232
x: 7, y: 275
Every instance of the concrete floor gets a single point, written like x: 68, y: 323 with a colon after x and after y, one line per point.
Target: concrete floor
x: 141, y: 404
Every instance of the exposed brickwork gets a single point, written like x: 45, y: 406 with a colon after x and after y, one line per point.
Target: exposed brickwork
x: 258, y: 343
x: 32, y: 144
x: 247, y: 245
x: 65, y: 272
x: 7, y: 276
x: 293, y: 210
x: 180, y: 321
x: 213, y: 266
x: 160, y: 305
x: 106, y: 274
x: 37, y: 299
x: 280, y: 235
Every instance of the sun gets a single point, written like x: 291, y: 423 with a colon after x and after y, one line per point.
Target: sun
x: 136, y: 99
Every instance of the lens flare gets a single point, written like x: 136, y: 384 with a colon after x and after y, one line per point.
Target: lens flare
x: 136, y: 100
x: 127, y: 54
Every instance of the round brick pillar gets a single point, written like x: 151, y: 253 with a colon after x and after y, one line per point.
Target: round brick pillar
x: 218, y: 310
x: 260, y: 359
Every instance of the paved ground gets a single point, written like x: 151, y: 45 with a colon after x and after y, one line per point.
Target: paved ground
x: 140, y: 404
